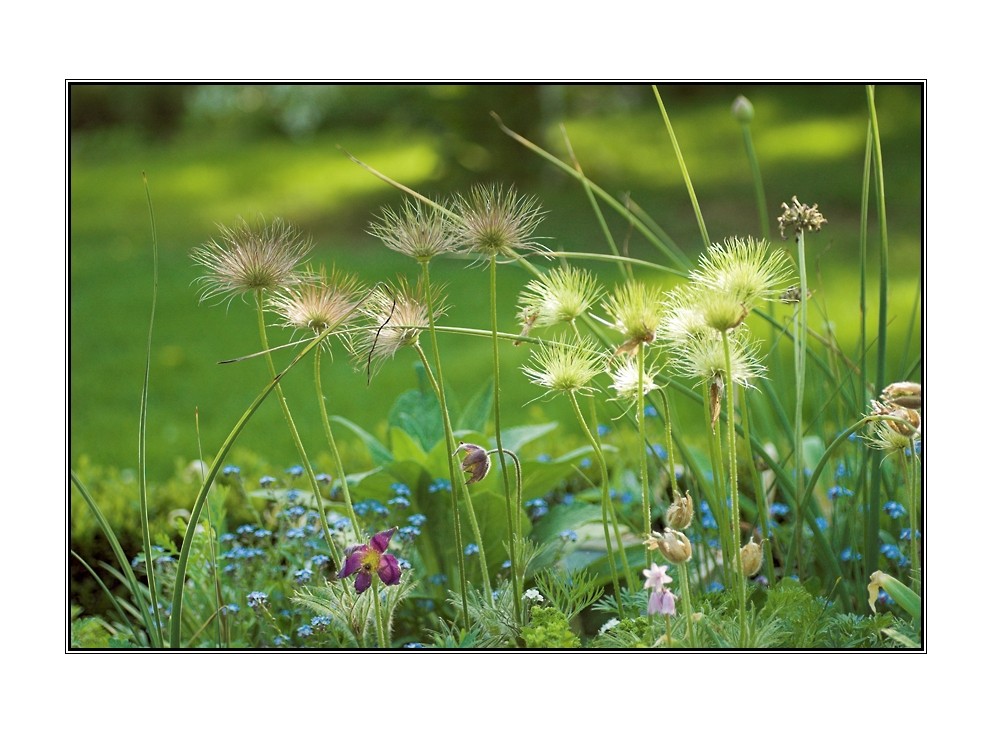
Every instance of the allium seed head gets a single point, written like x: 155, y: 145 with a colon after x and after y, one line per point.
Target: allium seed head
x: 799, y: 217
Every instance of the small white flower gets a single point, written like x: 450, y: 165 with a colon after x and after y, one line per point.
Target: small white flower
x: 533, y: 595
x: 610, y: 624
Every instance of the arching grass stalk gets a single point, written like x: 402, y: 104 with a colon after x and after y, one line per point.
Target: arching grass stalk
x: 606, y: 505
x: 297, y: 440
x: 741, y: 580
x: 457, y: 478
x: 223, y: 635
x: 156, y: 634
x: 341, y: 474
x: 194, y: 514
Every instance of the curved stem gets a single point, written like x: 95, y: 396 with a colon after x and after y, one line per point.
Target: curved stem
x: 345, y: 491
x: 510, y: 515
x: 604, y: 483
x: 741, y: 580
x: 516, y: 571
x: 304, y: 458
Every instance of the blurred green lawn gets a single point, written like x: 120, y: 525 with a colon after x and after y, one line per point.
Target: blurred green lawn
x: 810, y: 141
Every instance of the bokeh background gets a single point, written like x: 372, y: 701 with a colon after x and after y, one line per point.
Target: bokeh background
x: 214, y: 153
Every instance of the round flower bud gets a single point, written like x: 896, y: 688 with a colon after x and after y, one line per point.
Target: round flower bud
x: 904, y: 393
x: 476, y: 462
x: 672, y: 544
x: 742, y: 109
x: 679, y: 514
x: 751, y: 557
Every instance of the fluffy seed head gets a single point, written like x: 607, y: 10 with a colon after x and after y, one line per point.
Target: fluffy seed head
x: 498, y: 222
x: 635, y: 310
x: 703, y: 358
x: 562, y: 295
x: 320, y: 303
x: 565, y: 366
x: 251, y: 260
x: 417, y: 231
x: 743, y: 270
x: 394, y: 317
x: 626, y: 379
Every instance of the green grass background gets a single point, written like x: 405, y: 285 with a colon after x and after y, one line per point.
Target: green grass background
x: 810, y: 140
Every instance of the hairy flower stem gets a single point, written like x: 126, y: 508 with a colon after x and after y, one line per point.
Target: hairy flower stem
x: 457, y: 478
x: 801, y: 339
x: 341, y: 474
x: 669, y: 435
x: 741, y: 581
x: 910, y: 466
x: 763, y: 514
x: 686, y: 596
x: 604, y: 483
x: 514, y: 528
x: 379, y: 623
x: 516, y: 570
x: 304, y: 458
x: 644, y: 490
x: 717, y: 502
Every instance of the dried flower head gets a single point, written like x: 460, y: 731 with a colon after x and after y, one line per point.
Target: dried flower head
x: 394, y: 316
x: 799, y: 217
x: 680, y: 513
x: 906, y: 394
x: 251, y: 260
x: 498, y: 222
x: 322, y: 302
x: 635, y: 311
x: 565, y: 366
x: 751, y: 557
x: 673, y: 544
x: 476, y: 462
x: 417, y: 231
x: 561, y: 295
x: 626, y: 379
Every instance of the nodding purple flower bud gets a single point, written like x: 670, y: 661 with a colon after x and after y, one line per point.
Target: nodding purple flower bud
x: 476, y: 462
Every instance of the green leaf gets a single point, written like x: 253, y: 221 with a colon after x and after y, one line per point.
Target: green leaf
x: 515, y: 437
x: 417, y: 413
x: 476, y: 414
x: 380, y: 455
x: 405, y: 447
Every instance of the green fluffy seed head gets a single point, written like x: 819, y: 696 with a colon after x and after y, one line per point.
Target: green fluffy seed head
x: 635, y: 310
x: 561, y: 295
x: 742, y: 271
x: 565, y: 366
x: 498, y: 222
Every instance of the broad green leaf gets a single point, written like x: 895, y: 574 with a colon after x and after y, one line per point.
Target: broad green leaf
x: 515, y: 437
x: 417, y: 413
x: 380, y: 455
x: 476, y: 414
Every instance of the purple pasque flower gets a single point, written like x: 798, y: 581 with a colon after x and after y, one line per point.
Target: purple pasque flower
x: 662, y: 602
x: 476, y: 462
x: 365, y: 559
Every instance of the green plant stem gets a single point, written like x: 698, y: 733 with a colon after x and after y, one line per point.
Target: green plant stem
x: 734, y: 487
x: 763, y: 514
x: 156, y: 635
x: 641, y: 424
x: 748, y: 145
x: 684, y: 169
x: 514, y: 528
x: 194, y: 514
x: 800, y: 342
x: 909, y: 466
x: 516, y: 572
x: 457, y: 478
x: 672, y: 471
x: 604, y: 483
x: 379, y: 624
x: 686, y: 595
x: 297, y: 440
x: 718, y: 501
x: 345, y: 491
